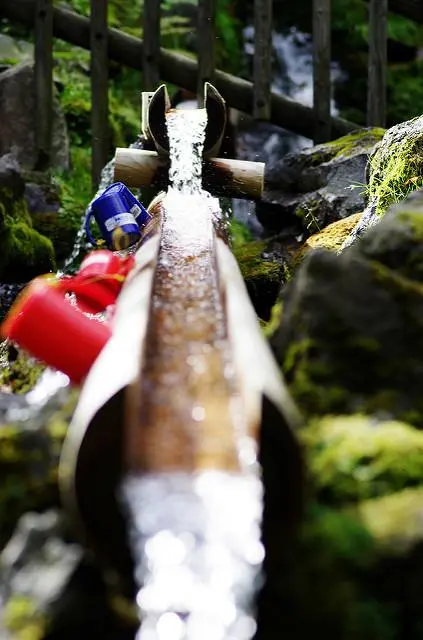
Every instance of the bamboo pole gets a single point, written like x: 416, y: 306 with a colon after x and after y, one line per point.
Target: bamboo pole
x: 43, y: 52
x: 99, y: 89
x: 321, y: 70
x: 206, y: 46
x: 151, y: 49
x: 221, y: 176
x: 378, y: 60
x: 177, y: 69
x: 262, y: 59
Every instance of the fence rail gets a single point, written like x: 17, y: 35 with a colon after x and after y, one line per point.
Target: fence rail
x: 158, y: 64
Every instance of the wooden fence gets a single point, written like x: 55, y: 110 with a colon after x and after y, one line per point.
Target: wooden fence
x: 157, y: 64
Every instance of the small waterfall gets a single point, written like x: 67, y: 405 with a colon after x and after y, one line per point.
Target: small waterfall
x: 292, y: 77
x: 195, y: 535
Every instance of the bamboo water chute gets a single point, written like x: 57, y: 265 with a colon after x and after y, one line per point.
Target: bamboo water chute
x: 181, y: 301
x: 221, y: 176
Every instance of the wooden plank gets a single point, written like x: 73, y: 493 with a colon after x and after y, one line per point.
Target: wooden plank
x: 43, y: 53
x: 206, y: 45
x: 321, y: 70
x: 99, y: 89
x: 262, y: 79
x: 177, y: 69
x: 151, y: 49
x: 378, y: 60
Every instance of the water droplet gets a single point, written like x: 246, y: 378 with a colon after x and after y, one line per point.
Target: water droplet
x: 198, y: 413
x: 170, y: 627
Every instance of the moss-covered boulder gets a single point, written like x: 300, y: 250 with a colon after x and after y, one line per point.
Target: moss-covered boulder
x: 331, y: 237
x: 352, y: 458
x: 318, y: 185
x: 351, y: 573
x: 24, y: 252
x: 28, y: 465
x: 395, y: 170
x: 396, y: 165
x: 351, y: 335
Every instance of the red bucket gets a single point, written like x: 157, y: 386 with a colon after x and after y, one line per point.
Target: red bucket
x: 43, y: 323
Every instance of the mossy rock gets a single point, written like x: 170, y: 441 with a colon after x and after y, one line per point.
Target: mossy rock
x: 20, y: 374
x: 318, y: 185
x: 331, y: 237
x: 29, y: 465
x: 352, y: 458
x: 262, y: 276
x: 396, y: 166
x: 351, y: 336
x: 24, y: 253
x: 350, y: 573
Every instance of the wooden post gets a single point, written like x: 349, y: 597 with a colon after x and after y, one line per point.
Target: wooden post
x: 321, y: 70
x: 43, y: 82
x: 378, y: 60
x: 99, y: 89
x: 151, y: 50
x: 206, y: 46
x: 262, y: 59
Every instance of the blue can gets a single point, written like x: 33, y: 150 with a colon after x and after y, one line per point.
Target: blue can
x: 119, y: 216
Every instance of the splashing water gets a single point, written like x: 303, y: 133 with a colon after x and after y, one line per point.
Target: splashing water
x: 195, y: 536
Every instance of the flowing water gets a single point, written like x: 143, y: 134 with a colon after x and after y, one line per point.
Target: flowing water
x: 195, y: 509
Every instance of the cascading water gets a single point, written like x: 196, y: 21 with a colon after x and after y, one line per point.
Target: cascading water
x: 195, y: 534
x: 292, y: 76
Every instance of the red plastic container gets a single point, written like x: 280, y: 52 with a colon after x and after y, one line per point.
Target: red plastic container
x: 99, y: 280
x: 43, y: 323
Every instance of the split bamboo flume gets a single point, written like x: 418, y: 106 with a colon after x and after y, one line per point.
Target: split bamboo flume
x: 179, y: 421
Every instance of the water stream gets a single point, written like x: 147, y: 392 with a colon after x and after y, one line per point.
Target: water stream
x: 195, y: 510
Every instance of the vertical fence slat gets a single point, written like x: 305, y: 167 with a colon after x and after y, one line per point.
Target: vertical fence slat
x: 262, y: 58
x: 206, y: 45
x: 321, y: 69
x: 99, y: 88
x: 378, y: 60
x: 43, y: 54
x: 151, y: 46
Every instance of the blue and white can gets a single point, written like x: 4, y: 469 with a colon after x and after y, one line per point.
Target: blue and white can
x: 117, y: 210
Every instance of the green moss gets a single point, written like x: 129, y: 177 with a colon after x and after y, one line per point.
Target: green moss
x: 22, y: 619
x: 347, y: 145
x: 22, y: 374
x: 273, y: 323
x: 29, y: 466
x: 24, y: 253
x: 393, y: 520
x: 356, y: 457
x: 253, y: 267
x: 239, y: 233
x: 359, y: 141
x: 396, y: 167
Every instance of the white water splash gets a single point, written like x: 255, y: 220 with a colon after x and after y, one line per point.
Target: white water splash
x: 197, y: 540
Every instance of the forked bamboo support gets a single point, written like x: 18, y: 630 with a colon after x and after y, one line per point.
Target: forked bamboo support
x: 221, y: 176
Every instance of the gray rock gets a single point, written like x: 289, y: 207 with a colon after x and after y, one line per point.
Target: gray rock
x: 17, y: 119
x: 320, y: 184
x: 11, y: 176
x: 41, y: 198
